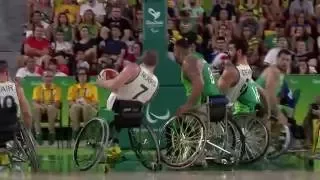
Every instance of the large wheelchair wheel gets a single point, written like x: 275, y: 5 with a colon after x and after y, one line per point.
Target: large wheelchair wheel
x: 90, y: 143
x: 28, y: 146
x: 145, y: 145
x: 182, y: 140
x: 256, y: 137
x: 225, y: 144
x: 280, y: 139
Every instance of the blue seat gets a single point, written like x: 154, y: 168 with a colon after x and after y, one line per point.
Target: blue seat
x: 218, y: 100
x: 217, y: 105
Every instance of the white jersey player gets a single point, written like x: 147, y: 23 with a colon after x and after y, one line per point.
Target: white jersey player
x: 237, y: 72
x: 13, y: 103
x: 135, y: 82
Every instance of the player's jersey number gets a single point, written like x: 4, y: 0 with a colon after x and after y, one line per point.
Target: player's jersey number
x: 143, y: 90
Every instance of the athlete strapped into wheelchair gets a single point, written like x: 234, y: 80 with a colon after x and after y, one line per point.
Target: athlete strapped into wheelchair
x: 15, y: 140
x: 133, y: 87
x: 204, y: 128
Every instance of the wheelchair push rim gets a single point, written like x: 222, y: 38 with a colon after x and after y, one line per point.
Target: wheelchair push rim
x: 144, y: 139
x: 95, y: 135
x: 182, y: 141
x: 256, y: 137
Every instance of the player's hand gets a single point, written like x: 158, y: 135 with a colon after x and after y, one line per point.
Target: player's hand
x: 183, y: 109
x: 99, y: 82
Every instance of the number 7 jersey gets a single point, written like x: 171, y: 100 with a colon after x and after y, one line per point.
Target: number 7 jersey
x: 142, y: 88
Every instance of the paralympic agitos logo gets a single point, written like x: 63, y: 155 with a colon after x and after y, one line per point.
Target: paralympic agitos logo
x: 154, y: 118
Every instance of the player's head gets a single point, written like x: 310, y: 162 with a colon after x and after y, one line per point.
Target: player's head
x: 238, y: 48
x: 150, y: 59
x: 284, y: 60
x: 4, y: 70
x: 181, y: 49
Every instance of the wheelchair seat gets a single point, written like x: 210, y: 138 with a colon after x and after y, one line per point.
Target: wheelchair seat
x: 218, y: 107
x: 129, y: 113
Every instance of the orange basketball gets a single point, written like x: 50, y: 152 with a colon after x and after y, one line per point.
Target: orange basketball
x: 107, y: 74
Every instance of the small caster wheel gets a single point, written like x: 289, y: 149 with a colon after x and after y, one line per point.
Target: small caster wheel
x: 159, y: 167
x: 107, y: 168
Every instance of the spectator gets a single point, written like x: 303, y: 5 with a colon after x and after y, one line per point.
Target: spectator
x: 138, y: 22
x: 304, y: 6
x: 28, y: 70
x: 60, y: 45
x: 134, y: 52
x: 272, y: 54
x: 86, y: 45
x: 83, y: 100
x: 302, y: 53
x: 37, y: 20
x: 46, y: 101
x: 37, y: 46
x: 96, y: 7
x: 272, y: 11
x: 80, y: 60
x: 313, y: 66
x: 116, y: 20
x: 223, y: 5
x: 303, y: 67
x: 70, y: 9
x: 58, y: 69
x: 62, y: 24
x: 43, y: 6
x: 114, y: 46
x: 104, y: 35
x: 89, y: 21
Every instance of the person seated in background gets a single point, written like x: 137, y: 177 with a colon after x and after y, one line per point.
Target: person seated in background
x: 62, y: 24
x: 28, y: 70
x: 114, y: 46
x: 87, y: 45
x: 96, y: 7
x: 36, y: 20
x: 89, y: 20
x: 58, y: 69
x: 83, y: 100
x: 46, y: 101
x: 36, y: 46
x: 69, y: 8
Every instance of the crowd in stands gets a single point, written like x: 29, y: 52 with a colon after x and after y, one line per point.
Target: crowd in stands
x: 81, y: 37
x: 99, y: 33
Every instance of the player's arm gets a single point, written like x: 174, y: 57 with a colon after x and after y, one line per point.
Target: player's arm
x: 272, y: 78
x: 127, y: 74
x: 24, y: 106
x: 227, y: 78
x: 192, y: 71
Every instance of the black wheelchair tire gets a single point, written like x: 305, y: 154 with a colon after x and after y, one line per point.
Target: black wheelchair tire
x: 153, y: 166
x: 191, y: 160
x: 104, y: 136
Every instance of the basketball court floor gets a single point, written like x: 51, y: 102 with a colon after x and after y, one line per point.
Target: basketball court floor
x: 58, y: 165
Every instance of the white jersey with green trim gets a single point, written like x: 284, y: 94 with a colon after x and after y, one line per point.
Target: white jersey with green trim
x: 245, y: 74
